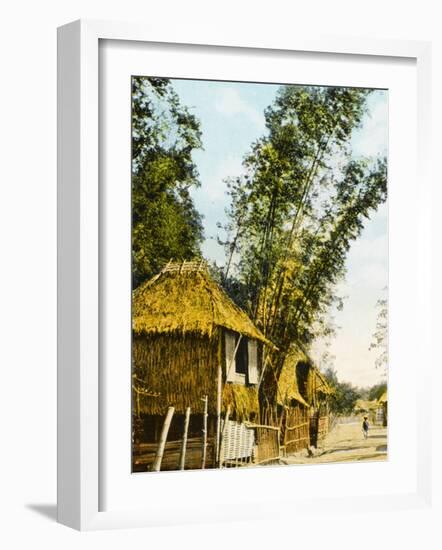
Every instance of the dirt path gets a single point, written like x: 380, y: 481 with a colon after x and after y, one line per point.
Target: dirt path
x: 346, y: 443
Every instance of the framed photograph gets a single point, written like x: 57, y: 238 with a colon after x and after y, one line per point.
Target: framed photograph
x: 232, y: 276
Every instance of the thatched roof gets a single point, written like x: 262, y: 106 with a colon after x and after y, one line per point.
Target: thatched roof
x: 322, y: 386
x: 365, y: 405
x: 184, y: 299
x: 383, y: 398
x: 312, y: 384
x: 288, y: 381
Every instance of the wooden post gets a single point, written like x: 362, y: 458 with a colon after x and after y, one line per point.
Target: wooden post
x: 184, y: 443
x: 223, y: 437
x: 204, y: 454
x: 163, y: 438
x: 218, y: 412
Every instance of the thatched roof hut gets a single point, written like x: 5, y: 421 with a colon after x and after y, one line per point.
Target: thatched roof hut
x: 187, y: 333
x: 304, y: 393
x: 383, y: 399
x: 288, y: 388
x: 383, y: 403
x: 365, y: 406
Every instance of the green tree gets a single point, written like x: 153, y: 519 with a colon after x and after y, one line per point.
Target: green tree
x: 380, y: 335
x: 345, y: 395
x: 375, y: 392
x: 295, y: 212
x: 165, y: 223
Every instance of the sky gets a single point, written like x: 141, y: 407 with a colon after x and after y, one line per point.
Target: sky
x: 232, y: 118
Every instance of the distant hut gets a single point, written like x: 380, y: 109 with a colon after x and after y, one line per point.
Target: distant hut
x: 301, y: 394
x: 191, y: 341
x: 383, y: 402
x: 316, y: 391
x: 364, y: 407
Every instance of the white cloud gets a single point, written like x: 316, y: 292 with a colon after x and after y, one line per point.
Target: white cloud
x: 214, y: 187
x: 372, y: 137
x: 228, y: 101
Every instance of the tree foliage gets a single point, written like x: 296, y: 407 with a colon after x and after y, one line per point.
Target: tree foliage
x: 294, y: 213
x: 380, y: 335
x: 165, y: 223
x: 376, y: 391
x: 345, y: 395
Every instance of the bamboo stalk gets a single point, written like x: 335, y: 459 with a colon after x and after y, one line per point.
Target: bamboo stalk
x: 218, y: 411
x: 156, y: 466
x: 184, y: 444
x: 204, y: 454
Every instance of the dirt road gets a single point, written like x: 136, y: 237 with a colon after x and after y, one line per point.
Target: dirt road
x: 346, y: 443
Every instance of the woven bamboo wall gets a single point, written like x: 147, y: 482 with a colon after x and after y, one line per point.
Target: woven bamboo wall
x: 296, y: 429
x: 238, y: 443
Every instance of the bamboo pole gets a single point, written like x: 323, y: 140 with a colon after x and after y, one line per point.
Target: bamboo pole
x: 218, y: 411
x: 156, y: 466
x: 204, y: 454
x: 223, y: 437
x: 184, y: 443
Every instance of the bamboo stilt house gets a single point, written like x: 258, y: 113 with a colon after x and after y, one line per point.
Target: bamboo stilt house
x: 293, y: 410
x: 316, y: 391
x: 303, y: 401
x: 191, y: 341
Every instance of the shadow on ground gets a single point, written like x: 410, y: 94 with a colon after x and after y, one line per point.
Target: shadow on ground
x: 341, y: 450
x: 49, y: 511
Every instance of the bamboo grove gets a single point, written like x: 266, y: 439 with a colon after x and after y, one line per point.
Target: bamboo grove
x: 301, y: 201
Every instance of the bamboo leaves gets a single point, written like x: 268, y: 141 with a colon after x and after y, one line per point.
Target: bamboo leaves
x: 294, y: 214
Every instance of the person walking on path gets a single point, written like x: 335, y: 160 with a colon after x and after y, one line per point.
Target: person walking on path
x: 365, y: 427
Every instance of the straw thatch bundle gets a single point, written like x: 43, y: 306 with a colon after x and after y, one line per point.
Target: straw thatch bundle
x: 288, y: 389
x: 383, y: 399
x: 183, y: 299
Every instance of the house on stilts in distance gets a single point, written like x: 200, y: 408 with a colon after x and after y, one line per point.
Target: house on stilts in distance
x: 303, y: 402
x: 194, y: 350
x: 383, y: 406
x: 293, y: 410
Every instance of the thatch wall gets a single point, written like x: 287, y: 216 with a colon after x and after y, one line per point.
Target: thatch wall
x: 181, y: 369
x: 242, y: 400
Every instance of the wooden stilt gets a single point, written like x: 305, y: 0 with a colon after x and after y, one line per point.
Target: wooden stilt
x: 204, y: 453
x: 218, y: 413
x: 184, y: 443
x: 156, y: 466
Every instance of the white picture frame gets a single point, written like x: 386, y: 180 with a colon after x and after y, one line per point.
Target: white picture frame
x: 79, y: 270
